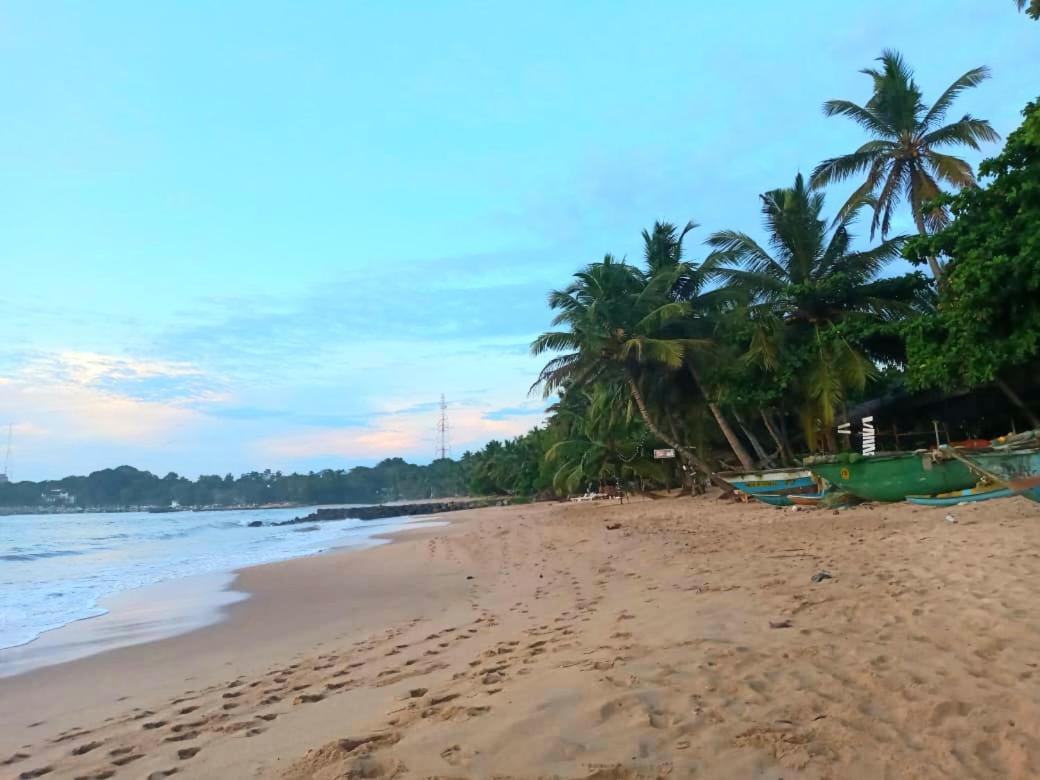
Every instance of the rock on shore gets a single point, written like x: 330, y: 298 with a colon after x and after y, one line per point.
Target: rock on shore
x: 380, y: 511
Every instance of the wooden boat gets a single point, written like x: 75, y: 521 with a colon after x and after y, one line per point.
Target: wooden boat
x: 808, y: 499
x: 1018, y: 470
x: 968, y: 496
x: 770, y: 481
x: 893, y: 476
x: 773, y: 499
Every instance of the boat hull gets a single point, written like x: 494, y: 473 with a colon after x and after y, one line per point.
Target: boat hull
x: 773, y: 499
x: 1018, y: 470
x: 969, y: 496
x: 894, y: 476
x: 808, y: 499
x: 772, y: 481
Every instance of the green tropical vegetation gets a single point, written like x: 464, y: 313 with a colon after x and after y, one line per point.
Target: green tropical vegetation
x: 126, y: 487
x: 903, y: 158
x: 749, y: 355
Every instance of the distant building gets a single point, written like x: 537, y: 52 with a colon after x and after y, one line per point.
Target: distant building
x: 57, y: 497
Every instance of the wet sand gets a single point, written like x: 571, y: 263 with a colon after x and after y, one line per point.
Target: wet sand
x: 532, y: 641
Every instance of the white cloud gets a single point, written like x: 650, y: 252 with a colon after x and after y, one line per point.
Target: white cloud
x: 398, y: 434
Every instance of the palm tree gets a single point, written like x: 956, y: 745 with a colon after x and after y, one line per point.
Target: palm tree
x: 903, y: 159
x: 600, y: 440
x: 663, y: 252
x: 804, y: 288
x: 1033, y: 9
x: 612, y: 318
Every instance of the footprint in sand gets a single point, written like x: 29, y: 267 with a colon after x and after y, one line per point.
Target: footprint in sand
x: 182, y: 737
x: 155, y: 724
x: 308, y: 698
x: 185, y: 753
x: 84, y: 749
x: 43, y: 770
x: 124, y: 760
x: 185, y: 726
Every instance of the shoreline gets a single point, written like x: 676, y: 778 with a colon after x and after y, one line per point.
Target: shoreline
x: 196, y: 648
x: 531, y: 641
x: 148, y: 611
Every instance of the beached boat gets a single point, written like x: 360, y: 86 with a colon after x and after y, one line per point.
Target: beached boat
x: 967, y: 496
x: 773, y: 499
x: 1016, y: 469
x: 808, y: 499
x: 770, y: 481
x: 895, y: 475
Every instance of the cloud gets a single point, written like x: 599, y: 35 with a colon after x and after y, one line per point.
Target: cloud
x: 511, y: 412
x: 471, y: 302
x: 86, y: 396
x: 409, y: 433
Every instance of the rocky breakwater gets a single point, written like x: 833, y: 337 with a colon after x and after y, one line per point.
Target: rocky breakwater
x: 379, y: 511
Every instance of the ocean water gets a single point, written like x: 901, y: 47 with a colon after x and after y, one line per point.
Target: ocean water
x: 55, y: 568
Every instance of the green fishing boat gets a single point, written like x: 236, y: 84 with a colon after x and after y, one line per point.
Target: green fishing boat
x: 1017, y: 470
x: 893, y: 476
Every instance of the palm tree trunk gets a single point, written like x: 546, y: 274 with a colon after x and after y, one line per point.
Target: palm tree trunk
x: 686, y: 454
x: 724, y: 426
x: 756, y: 445
x: 778, y: 437
x: 933, y: 262
x: 1017, y: 401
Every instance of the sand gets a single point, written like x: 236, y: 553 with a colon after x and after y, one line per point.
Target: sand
x: 532, y: 642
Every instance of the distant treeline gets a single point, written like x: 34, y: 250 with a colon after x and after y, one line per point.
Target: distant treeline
x: 127, y: 487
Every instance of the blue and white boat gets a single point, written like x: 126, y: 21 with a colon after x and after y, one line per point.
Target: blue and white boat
x: 770, y: 481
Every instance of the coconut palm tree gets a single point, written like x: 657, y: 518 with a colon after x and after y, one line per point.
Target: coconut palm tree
x: 613, y: 317
x: 600, y: 440
x: 805, y: 289
x: 904, y: 158
x: 663, y: 252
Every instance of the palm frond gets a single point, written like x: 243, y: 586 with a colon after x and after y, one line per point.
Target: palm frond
x: 554, y: 341
x: 969, y: 80
x: 967, y: 131
x: 950, y: 169
x: 864, y: 117
x: 736, y: 248
x: 838, y: 169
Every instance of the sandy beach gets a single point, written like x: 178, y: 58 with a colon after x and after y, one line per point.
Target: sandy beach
x: 542, y: 641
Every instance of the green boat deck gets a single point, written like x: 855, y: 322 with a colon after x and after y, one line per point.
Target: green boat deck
x: 894, y: 476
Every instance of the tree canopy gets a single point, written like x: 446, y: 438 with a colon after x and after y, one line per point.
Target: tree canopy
x: 989, y: 319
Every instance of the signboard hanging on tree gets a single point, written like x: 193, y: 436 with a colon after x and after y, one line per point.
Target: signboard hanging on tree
x: 662, y: 454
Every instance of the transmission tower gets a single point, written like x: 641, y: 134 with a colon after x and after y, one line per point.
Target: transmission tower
x: 443, y: 447
x: 7, y: 456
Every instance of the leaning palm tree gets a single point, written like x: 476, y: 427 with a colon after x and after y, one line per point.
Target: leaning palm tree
x: 612, y: 319
x: 663, y: 252
x: 904, y: 157
x: 804, y: 287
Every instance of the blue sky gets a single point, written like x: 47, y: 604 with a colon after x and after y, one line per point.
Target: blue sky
x: 251, y: 234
